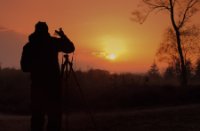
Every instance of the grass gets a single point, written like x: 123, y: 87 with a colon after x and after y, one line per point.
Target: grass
x: 176, y: 118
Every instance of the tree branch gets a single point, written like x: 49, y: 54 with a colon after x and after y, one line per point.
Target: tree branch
x: 155, y: 6
x: 186, y: 16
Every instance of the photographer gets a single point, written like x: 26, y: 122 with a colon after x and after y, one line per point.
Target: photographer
x: 40, y: 58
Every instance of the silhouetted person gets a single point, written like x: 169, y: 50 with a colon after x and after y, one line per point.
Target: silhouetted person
x: 40, y: 58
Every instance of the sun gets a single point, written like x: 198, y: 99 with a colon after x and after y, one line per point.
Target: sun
x: 111, y: 56
x: 111, y: 48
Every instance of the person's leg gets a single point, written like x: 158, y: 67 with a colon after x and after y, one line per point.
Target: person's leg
x: 54, y: 110
x: 54, y: 117
x: 37, y: 108
x: 37, y: 120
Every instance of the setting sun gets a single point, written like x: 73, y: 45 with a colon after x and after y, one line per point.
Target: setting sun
x: 111, y: 56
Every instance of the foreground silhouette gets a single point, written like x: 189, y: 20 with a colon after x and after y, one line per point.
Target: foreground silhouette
x: 40, y: 58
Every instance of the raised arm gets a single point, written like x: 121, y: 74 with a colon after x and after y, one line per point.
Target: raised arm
x: 64, y: 43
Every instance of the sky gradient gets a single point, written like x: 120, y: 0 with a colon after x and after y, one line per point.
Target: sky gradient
x: 102, y: 31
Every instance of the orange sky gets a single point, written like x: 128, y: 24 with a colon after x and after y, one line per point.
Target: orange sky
x: 99, y: 29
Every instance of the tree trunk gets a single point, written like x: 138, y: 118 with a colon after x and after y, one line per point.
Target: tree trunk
x: 183, y: 66
x: 178, y: 38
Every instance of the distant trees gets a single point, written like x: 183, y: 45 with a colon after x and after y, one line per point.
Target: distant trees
x: 193, y: 70
x: 189, y: 69
x: 154, y: 71
x: 14, y: 90
x: 102, y: 89
x: 169, y: 73
x: 197, y: 69
x: 180, y: 12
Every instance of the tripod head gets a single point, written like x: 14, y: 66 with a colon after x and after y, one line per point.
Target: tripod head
x: 66, y: 57
x: 66, y: 65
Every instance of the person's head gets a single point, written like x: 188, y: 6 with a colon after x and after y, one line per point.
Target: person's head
x: 41, y: 28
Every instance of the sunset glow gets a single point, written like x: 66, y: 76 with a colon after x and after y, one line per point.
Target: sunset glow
x: 102, y: 31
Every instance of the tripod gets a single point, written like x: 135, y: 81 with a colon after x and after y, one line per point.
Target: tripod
x: 66, y: 71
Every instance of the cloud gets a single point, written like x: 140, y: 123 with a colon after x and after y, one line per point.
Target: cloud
x: 101, y: 54
x: 11, y: 44
x: 3, y: 28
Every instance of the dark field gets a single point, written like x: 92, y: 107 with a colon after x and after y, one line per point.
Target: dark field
x: 177, y: 118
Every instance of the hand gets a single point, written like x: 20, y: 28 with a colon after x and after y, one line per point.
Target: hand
x: 60, y: 32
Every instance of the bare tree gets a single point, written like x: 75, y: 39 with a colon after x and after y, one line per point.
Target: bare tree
x: 180, y: 12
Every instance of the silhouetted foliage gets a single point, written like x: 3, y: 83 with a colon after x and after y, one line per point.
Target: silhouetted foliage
x: 189, y: 69
x: 154, y: 71
x: 102, y: 90
x: 167, y: 51
x: 170, y: 73
x: 197, y: 69
x: 14, y: 91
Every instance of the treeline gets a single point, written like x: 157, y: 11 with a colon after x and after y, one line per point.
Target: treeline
x: 173, y: 72
x: 14, y: 90
x: 101, y: 89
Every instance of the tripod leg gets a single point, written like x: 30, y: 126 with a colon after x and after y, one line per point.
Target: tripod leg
x: 87, y: 109
x: 68, y: 71
x: 65, y: 86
